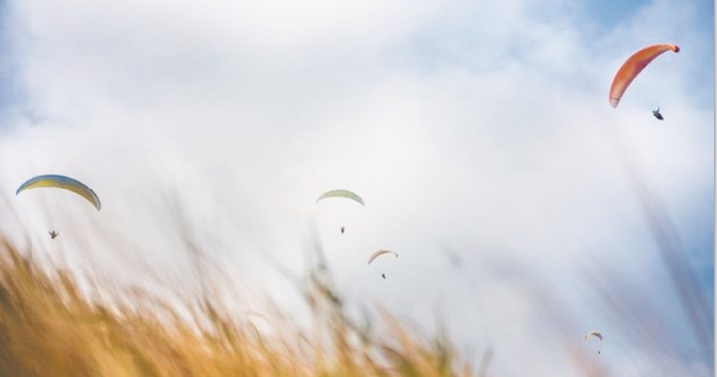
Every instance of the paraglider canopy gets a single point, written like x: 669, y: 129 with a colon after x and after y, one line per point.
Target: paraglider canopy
x: 378, y: 253
x: 596, y: 334
x: 62, y: 182
x: 633, y: 66
x: 341, y: 194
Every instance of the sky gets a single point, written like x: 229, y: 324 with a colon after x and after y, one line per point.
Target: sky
x: 525, y: 210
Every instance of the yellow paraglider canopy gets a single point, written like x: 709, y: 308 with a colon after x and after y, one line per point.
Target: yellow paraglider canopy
x: 62, y: 182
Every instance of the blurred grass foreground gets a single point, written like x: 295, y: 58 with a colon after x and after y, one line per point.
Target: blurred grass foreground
x: 49, y: 327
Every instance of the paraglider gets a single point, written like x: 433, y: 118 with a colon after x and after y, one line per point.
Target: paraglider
x: 633, y: 66
x: 378, y: 253
x: 341, y: 194
x: 657, y: 114
x: 596, y: 334
x: 60, y: 181
x: 53, y: 234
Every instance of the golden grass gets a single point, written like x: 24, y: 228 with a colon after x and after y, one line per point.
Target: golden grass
x: 49, y: 328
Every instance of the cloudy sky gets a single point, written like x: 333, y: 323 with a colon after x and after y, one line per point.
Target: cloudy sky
x: 525, y: 210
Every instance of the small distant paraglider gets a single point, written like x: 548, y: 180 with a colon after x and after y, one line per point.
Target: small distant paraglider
x: 62, y: 182
x: 53, y: 233
x: 377, y: 254
x: 633, y: 66
x: 657, y: 114
x: 340, y: 193
x: 596, y: 334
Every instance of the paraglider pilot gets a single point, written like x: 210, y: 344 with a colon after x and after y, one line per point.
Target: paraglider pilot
x: 657, y: 114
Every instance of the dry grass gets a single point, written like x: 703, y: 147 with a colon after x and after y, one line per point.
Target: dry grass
x: 49, y: 328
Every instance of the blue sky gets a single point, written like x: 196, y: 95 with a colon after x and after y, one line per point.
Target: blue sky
x: 479, y: 127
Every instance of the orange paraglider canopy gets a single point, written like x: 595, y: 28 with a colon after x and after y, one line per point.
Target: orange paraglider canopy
x: 633, y: 66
